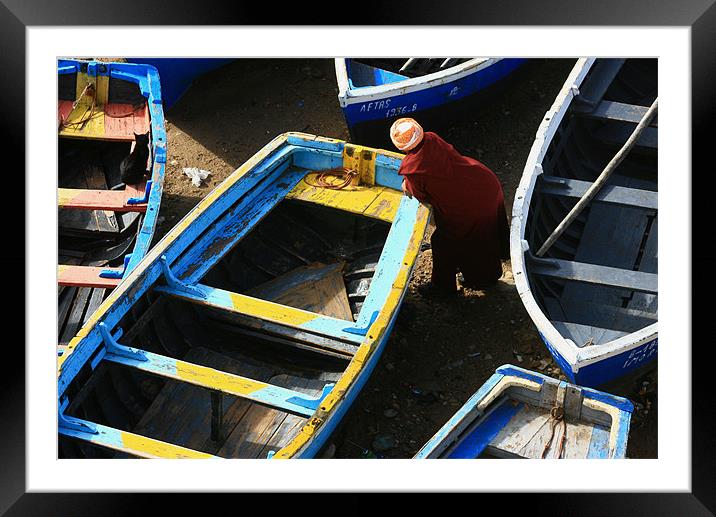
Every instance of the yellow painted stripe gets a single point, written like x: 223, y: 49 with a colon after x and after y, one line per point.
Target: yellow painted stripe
x: 271, y: 311
x: 215, y: 379
x: 375, y: 333
x: 149, y: 448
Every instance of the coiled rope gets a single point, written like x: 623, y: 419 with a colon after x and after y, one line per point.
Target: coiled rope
x: 556, y: 417
x: 344, y: 175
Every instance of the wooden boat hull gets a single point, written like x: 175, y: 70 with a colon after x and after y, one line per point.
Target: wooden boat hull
x: 104, y: 233
x: 371, y: 109
x: 509, y: 417
x: 593, y: 296
x: 178, y: 74
x: 198, y: 314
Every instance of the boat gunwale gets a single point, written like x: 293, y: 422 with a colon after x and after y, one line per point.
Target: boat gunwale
x: 143, y: 275
x: 576, y: 357
x: 348, y: 95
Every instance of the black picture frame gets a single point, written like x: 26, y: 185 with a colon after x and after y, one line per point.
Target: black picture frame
x: 17, y: 15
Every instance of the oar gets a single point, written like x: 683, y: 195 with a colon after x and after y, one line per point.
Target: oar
x: 602, y: 179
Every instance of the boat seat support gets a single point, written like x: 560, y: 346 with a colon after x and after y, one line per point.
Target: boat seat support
x: 116, y: 273
x: 114, y: 348
x: 144, y: 198
x: 176, y: 284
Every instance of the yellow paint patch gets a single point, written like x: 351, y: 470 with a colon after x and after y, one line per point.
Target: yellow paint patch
x: 216, y: 379
x: 376, y: 202
x: 271, y: 311
x: 148, y: 448
x: 361, y: 159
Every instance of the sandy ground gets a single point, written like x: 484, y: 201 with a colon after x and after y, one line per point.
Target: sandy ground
x: 439, y: 352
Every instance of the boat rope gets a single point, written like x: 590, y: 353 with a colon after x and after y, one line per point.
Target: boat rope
x: 601, y: 179
x: 556, y: 416
x: 79, y: 124
x: 344, y: 176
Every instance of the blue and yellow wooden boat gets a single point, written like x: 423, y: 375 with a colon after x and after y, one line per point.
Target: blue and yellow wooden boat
x: 374, y: 92
x: 105, y: 228
x: 522, y: 414
x: 250, y: 328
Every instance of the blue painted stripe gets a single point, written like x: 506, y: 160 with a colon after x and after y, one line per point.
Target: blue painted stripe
x: 623, y: 435
x: 599, y: 444
x: 232, y: 227
x: 479, y: 438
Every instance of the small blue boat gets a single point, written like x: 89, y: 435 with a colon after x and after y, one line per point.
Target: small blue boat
x: 522, y: 414
x: 105, y: 227
x: 251, y: 327
x: 374, y: 92
x: 593, y: 295
x: 178, y: 74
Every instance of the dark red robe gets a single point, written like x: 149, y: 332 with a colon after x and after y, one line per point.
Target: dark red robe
x: 472, y: 230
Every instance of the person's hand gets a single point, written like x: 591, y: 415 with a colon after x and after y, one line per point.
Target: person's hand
x: 406, y: 192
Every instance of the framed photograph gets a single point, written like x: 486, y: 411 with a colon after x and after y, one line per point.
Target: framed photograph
x: 257, y: 235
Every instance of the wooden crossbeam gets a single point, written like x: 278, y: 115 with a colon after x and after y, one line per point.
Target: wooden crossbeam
x: 608, y: 194
x: 115, y: 200
x: 133, y: 444
x: 264, y: 310
x: 86, y: 276
x: 618, y: 111
x: 593, y: 274
x: 256, y: 391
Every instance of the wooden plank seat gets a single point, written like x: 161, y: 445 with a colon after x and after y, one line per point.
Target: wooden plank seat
x: 594, y: 274
x: 272, y: 312
x: 86, y: 276
x: 114, y: 200
x: 259, y: 392
x: 612, y: 194
x: 112, y: 121
x: 618, y: 135
x: 617, y: 111
x: 130, y: 443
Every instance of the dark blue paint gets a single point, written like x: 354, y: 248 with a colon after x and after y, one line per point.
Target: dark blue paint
x: 177, y: 75
x: 472, y: 445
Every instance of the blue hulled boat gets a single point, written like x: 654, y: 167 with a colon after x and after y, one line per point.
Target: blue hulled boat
x: 374, y: 92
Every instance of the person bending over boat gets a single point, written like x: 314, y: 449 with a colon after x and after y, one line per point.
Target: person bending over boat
x: 471, y: 227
